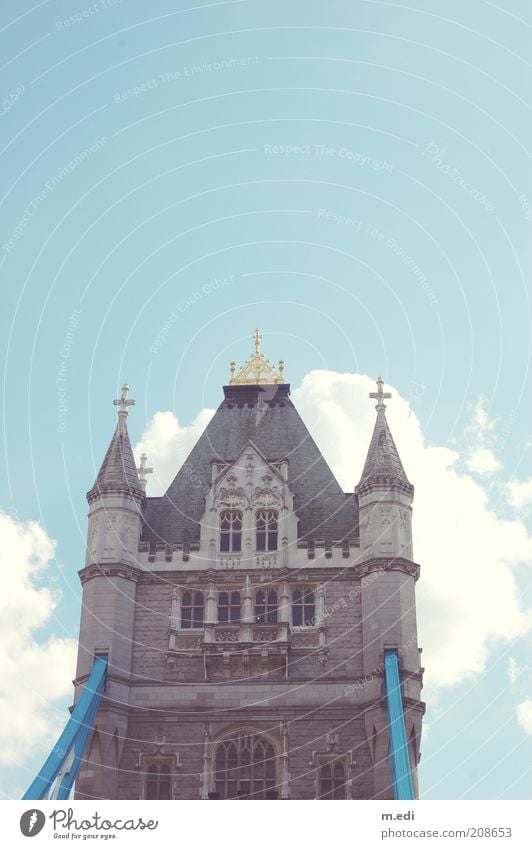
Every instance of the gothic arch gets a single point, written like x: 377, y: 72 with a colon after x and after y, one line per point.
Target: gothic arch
x: 94, y: 753
x: 245, y: 763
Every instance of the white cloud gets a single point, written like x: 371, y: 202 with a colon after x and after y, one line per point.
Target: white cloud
x: 524, y: 715
x: 483, y: 462
x: 467, y: 595
x: 479, y: 457
x: 512, y: 670
x: 167, y: 445
x: 520, y: 493
x: 33, y: 672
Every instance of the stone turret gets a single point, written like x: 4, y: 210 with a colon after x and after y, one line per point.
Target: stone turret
x: 384, y: 493
x: 109, y: 579
x: 116, y: 499
x: 385, y: 498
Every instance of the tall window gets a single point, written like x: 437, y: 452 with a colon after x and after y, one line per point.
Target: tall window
x: 192, y: 610
x: 158, y: 782
x: 245, y: 768
x: 231, y: 530
x: 267, y: 525
x: 332, y: 780
x: 229, y: 607
x: 303, y: 607
x: 266, y: 607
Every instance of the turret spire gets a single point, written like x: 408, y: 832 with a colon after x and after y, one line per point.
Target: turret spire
x: 118, y: 471
x: 383, y: 466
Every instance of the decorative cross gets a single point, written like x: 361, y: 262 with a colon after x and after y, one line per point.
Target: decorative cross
x: 379, y: 395
x: 124, y: 402
x: 258, y: 339
x: 144, y: 470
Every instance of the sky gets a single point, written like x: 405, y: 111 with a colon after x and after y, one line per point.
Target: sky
x: 352, y: 177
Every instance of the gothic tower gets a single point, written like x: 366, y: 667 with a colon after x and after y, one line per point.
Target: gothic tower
x: 245, y: 613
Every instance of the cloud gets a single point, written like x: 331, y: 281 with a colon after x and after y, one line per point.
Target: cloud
x: 167, y: 445
x: 520, y: 494
x: 483, y: 462
x: 479, y: 457
x: 524, y: 715
x: 512, y: 670
x: 467, y: 596
x: 32, y: 670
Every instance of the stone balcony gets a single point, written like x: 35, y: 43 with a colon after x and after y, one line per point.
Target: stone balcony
x: 243, y: 633
x: 259, y: 560
x: 245, y: 650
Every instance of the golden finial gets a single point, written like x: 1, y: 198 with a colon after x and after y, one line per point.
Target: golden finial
x: 257, y: 369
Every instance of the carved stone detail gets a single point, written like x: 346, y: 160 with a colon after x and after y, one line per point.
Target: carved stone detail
x: 303, y: 640
x: 385, y: 516
x: 226, y: 636
x: 267, y: 496
x: 230, y: 562
x: 264, y: 635
x: 93, y: 543
x: 234, y: 497
x: 266, y: 561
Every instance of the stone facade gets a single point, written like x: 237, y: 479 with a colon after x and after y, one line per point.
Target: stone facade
x: 246, y: 659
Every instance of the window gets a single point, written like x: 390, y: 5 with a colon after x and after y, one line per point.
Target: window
x: 266, y: 607
x: 158, y: 782
x: 192, y: 610
x: 231, y: 530
x: 229, y: 607
x: 303, y: 607
x: 266, y: 523
x: 332, y: 780
x: 245, y: 768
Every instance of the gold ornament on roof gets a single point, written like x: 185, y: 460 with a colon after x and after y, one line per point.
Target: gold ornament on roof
x: 257, y: 369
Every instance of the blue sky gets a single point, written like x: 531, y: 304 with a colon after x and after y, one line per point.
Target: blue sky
x: 352, y: 176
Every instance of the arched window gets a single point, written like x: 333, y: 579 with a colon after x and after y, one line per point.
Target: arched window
x: 158, y: 781
x: 245, y: 768
x: 332, y: 780
x: 192, y: 610
x: 267, y: 530
x: 303, y: 607
x: 229, y: 607
x: 231, y: 530
x: 266, y: 607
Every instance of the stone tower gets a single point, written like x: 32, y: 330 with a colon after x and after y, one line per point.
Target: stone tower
x: 245, y: 613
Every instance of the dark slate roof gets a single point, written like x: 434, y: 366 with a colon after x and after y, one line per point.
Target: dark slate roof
x: 118, y: 471
x: 383, y: 465
x: 262, y: 414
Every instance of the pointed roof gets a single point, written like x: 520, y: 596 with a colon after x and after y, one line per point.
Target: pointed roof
x: 118, y: 472
x: 383, y: 466
x: 264, y: 415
